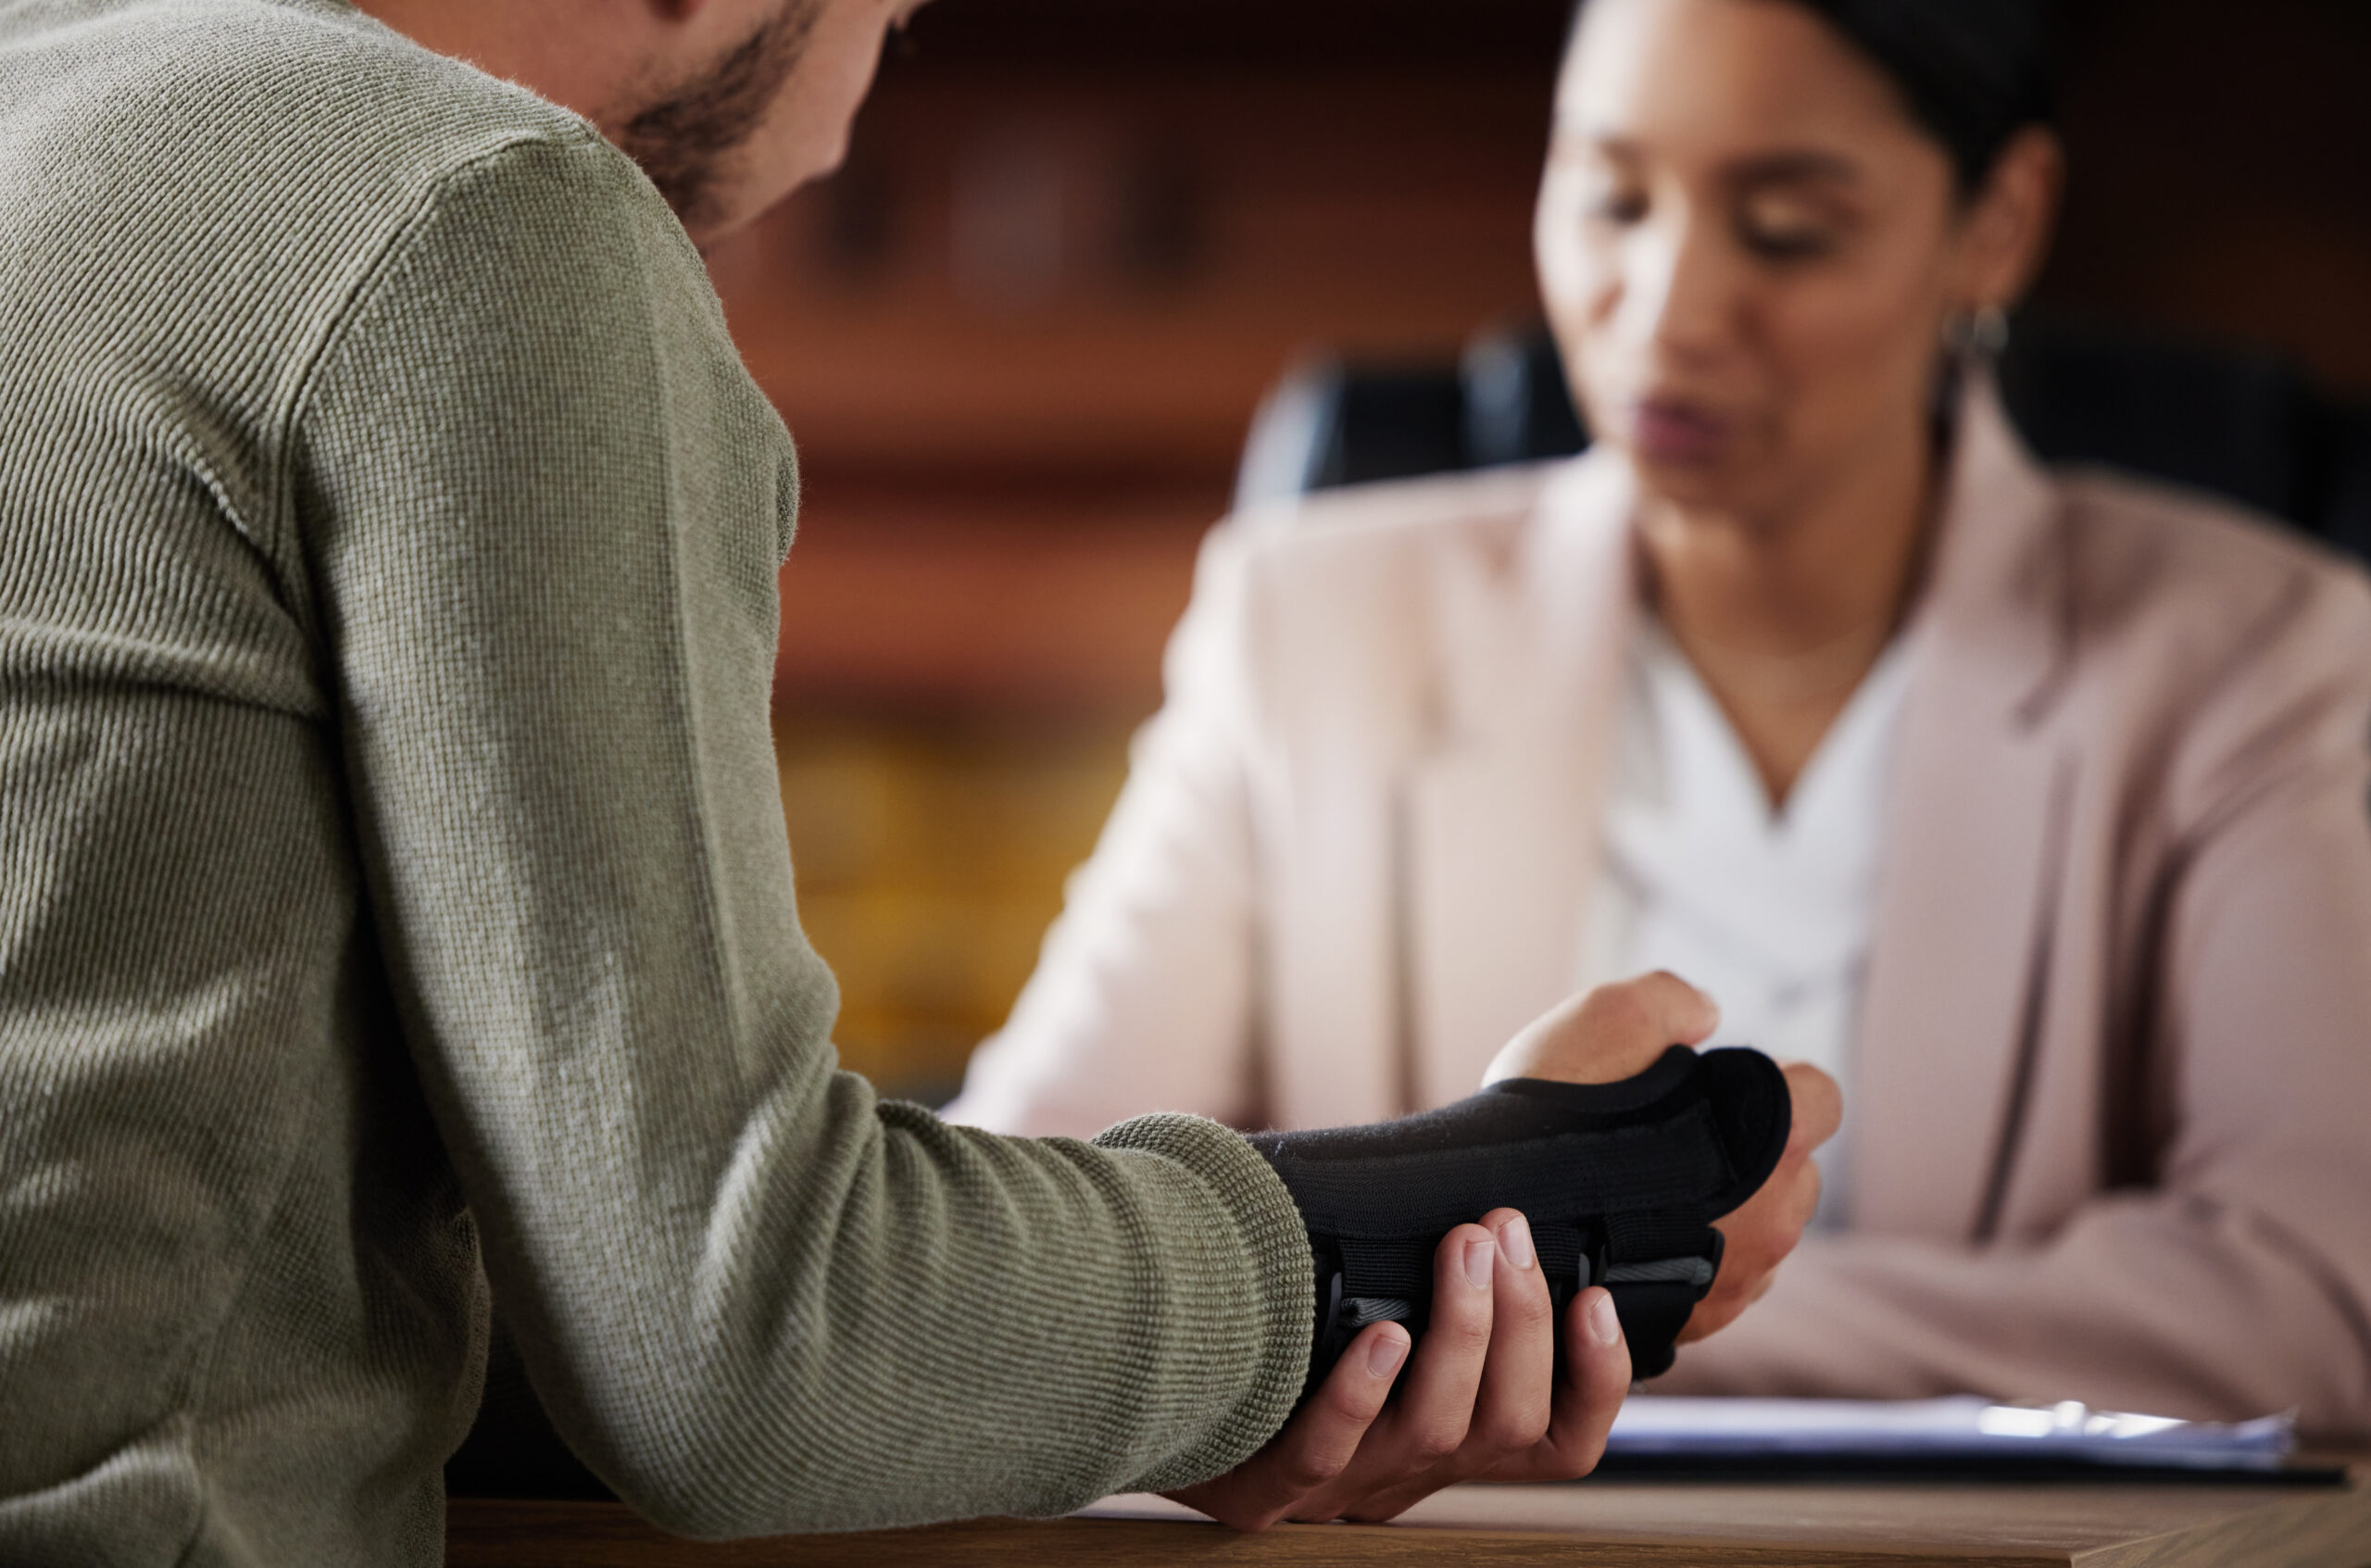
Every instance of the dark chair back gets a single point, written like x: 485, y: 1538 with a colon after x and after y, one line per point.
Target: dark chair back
x: 2245, y: 426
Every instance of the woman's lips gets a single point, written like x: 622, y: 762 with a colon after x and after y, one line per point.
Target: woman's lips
x: 1668, y: 430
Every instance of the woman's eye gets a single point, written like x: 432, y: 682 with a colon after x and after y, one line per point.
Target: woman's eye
x: 1786, y: 231
x: 1789, y: 245
x: 1613, y: 205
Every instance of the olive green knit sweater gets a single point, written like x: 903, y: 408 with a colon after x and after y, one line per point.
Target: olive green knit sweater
x: 393, y: 881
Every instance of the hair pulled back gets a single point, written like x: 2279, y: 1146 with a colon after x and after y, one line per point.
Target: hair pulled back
x: 1973, y: 72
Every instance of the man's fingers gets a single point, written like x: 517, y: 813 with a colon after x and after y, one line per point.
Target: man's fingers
x: 1819, y: 1106
x: 1597, y: 1377
x: 1316, y: 1446
x: 1336, y: 1420
x: 1437, y: 1399
x: 1464, y: 1410
x: 1514, y: 1401
x: 1518, y: 1380
x: 1435, y: 1410
x: 1588, y: 1393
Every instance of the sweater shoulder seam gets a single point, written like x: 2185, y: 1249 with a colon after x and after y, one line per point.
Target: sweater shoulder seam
x: 363, y: 289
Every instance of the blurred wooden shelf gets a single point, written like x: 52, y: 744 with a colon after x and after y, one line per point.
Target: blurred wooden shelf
x: 930, y: 858
x: 1057, y: 274
x: 948, y: 600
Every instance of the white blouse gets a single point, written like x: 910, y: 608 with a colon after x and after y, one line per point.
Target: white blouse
x: 1769, y: 910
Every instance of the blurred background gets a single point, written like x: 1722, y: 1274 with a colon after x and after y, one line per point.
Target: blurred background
x: 1022, y: 337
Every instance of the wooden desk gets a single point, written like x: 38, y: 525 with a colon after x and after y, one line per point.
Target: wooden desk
x: 1667, y: 1525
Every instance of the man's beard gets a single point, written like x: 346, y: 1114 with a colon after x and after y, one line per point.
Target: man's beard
x: 683, y: 138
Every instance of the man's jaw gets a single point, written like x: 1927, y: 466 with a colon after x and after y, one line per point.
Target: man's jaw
x: 686, y: 135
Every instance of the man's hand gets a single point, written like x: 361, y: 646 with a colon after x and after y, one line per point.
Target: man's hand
x: 1616, y: 1031
x: 1481, y: 1397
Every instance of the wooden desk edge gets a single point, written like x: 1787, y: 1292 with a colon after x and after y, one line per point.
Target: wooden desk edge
x: 2325, y: 1526
x: 608, y: 1536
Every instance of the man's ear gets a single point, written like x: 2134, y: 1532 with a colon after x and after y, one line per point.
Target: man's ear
x: 2009, y: 225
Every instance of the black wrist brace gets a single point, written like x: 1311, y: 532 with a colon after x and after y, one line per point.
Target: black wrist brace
x: 1620, y: 1182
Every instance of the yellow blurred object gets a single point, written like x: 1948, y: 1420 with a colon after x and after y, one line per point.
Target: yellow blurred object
x: 929, y: 859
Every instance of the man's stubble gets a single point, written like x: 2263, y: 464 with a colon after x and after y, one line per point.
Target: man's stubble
x: 684, y: 137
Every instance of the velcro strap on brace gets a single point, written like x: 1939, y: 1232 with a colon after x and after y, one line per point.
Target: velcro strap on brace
x: 1619, y: 1183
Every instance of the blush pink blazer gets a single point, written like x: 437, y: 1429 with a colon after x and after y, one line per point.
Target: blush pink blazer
x: 2112, y: 1100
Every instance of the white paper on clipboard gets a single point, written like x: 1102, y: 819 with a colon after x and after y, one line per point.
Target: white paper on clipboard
x: 1968, y: 1427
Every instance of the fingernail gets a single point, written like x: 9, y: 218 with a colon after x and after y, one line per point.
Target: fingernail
x: 1514, y: 1241
x: 1385, y: 1352
x: 1477, y: 1264
x: 1605, y: 1323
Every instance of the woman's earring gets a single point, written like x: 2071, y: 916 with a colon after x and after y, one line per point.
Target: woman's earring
x: 1980, y: 334
x: 1990, y: 331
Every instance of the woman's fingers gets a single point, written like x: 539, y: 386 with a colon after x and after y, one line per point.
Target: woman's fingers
x: 1806, y: 1188
x: 1757, y: 1238
x: 1316, y: 1446
x: 1763, y: 1230
x: 1673, y: 1008
x: 1818, y: 1107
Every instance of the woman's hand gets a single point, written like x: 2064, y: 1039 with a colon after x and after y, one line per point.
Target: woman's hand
x: 1479, y: 1398
x: 1616, y: 1031
x: 1760, y: 1232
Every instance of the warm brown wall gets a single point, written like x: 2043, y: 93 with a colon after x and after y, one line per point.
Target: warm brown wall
x: 1022, y: 336
x: 2222, y: 173
x: 1076, y: 239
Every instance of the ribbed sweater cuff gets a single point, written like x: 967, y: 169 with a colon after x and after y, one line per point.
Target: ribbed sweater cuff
x: 1270, y: 1239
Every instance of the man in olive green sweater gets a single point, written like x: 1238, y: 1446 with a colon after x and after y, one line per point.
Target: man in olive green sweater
x: 395, y: 892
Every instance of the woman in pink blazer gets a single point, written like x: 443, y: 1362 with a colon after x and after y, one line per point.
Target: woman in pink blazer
x: 2040, y: 803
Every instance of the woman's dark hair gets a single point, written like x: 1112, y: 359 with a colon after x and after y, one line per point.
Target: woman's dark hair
x: 1974, y: 72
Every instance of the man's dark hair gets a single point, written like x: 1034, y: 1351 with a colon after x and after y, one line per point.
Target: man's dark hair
x: 680, y: 139
x: 1973, y: 73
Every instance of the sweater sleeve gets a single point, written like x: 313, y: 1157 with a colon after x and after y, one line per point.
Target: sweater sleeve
x: 542, y: 506
x: 2236, y: 1280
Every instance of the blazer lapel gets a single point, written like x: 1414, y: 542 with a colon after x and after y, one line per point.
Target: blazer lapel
x: 1978, y: 798
x: 1498, y: 818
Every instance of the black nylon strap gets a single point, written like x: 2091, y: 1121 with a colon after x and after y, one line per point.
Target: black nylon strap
x: 1662, y: 1232
x: 1619, y: 1183
x: 1386, y: 1268
x: 1653, y: 1316
x: 1674, y: 1164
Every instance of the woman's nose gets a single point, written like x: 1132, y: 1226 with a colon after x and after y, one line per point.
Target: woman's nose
x: 1680, y: 295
